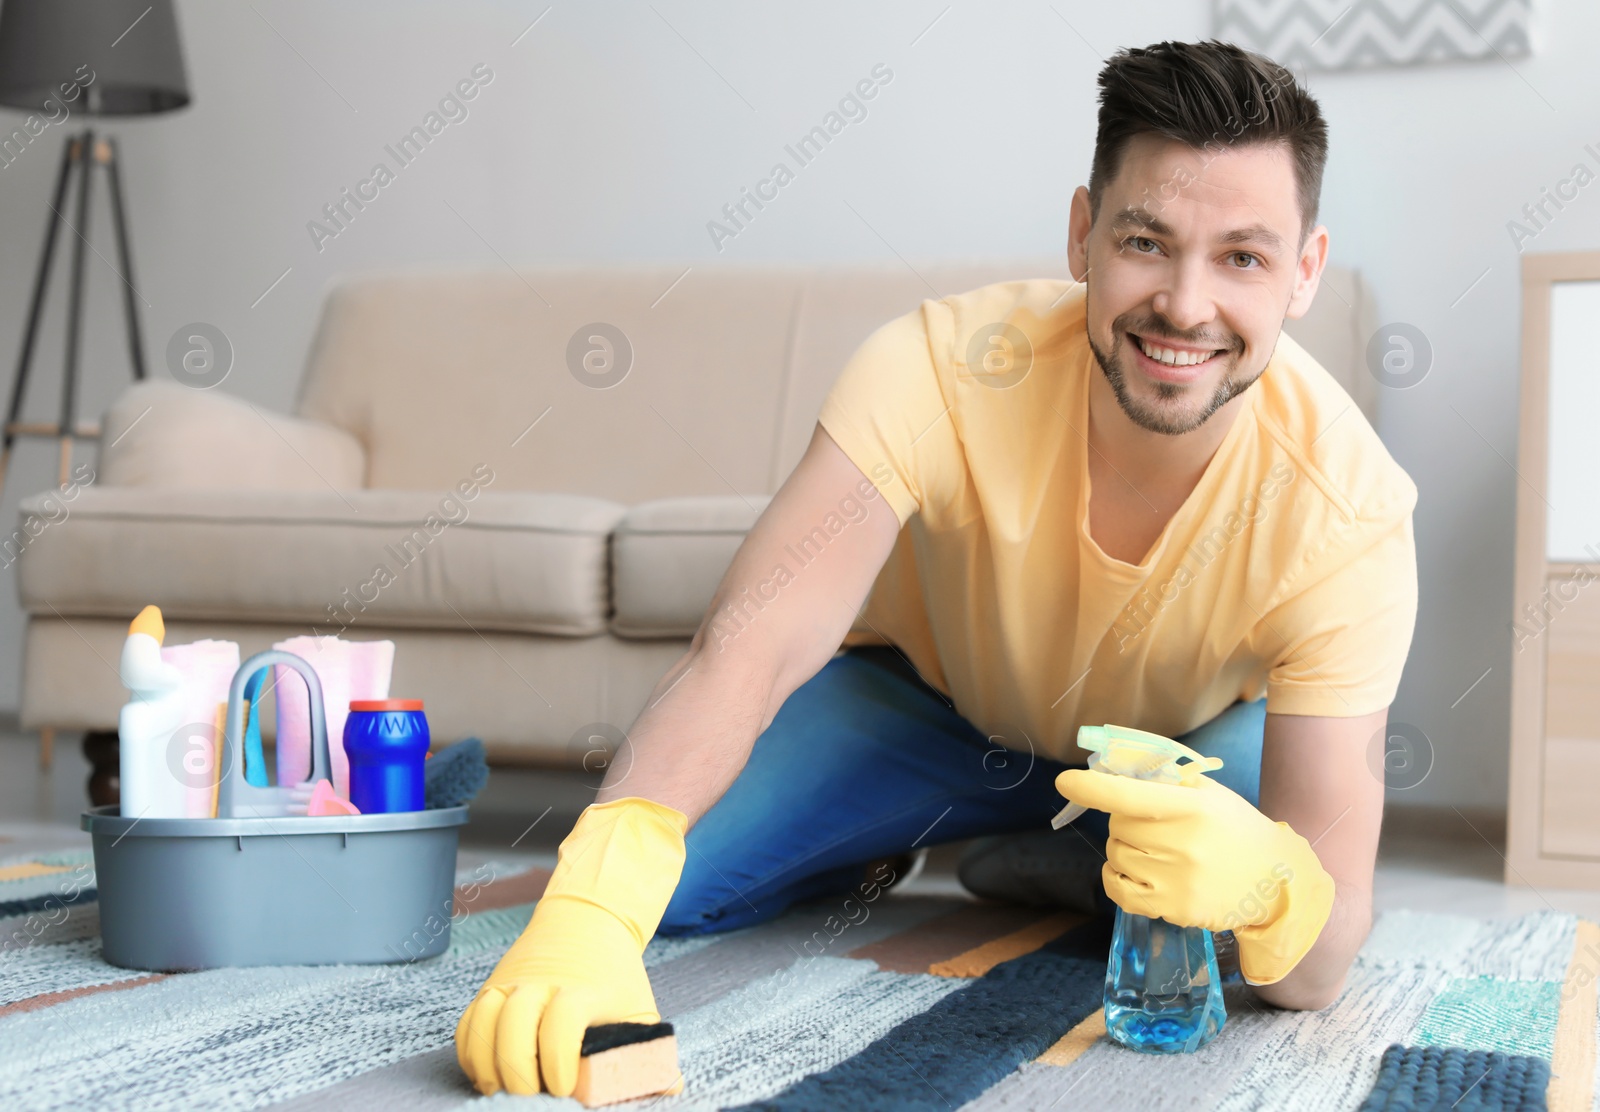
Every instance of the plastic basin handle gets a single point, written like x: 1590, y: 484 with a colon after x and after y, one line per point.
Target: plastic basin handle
x: 320, y: 763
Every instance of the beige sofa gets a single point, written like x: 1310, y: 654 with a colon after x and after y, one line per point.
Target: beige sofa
x: 538, y: 614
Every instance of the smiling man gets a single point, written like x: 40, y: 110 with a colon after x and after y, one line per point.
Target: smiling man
x: 1128, y: 499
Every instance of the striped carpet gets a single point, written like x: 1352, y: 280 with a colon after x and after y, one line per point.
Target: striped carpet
x: 904, y: 1002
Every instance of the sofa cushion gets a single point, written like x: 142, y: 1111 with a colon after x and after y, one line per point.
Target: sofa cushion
x: 667, y: 557
x: 161, y: 434
x: 484, y: 559
x: 626, y: 381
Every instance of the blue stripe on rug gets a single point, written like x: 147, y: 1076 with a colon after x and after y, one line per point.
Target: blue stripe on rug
x: 28, y: 905
x: 971, y: 1039
x: 1425, y: 1077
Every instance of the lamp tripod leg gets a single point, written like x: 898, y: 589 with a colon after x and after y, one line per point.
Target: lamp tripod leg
x: 111, y: 155
x: 41, y: 281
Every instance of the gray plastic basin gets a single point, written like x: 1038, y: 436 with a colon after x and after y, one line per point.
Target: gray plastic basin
x: 185, y: 894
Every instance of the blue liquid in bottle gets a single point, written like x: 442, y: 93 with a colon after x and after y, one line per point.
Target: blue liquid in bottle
x: 1163, y: 992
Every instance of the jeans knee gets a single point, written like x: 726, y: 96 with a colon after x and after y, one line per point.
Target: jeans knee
x: 694, y: 905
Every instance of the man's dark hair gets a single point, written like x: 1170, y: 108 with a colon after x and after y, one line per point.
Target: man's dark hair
x: 1211, y: 95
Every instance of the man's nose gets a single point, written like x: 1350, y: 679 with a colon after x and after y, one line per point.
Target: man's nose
x: 1185, y: 298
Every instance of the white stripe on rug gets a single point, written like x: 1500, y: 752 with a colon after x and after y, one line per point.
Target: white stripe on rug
x: 428, y: 1082
x: 743, y: 955
x: 58, y: 967
x: 1532, y: 947
x: 233, y: 1039
x: 220, y: 1029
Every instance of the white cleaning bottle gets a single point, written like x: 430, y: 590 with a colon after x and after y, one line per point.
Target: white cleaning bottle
x: 151, y: 789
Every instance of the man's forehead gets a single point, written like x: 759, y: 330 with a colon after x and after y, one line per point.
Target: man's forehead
x: 1230, y: 194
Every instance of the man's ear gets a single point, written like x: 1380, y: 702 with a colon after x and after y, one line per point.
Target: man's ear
x: 1308, y: 272
x: 1078, y: 224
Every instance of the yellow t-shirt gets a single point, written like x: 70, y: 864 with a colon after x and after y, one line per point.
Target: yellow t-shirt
x: 1289, y: 572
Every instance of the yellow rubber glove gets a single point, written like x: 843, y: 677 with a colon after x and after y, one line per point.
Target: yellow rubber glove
x: 580, y: 961
x: 1204, y: 857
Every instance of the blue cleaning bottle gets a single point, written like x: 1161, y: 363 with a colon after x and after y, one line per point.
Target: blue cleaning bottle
x: 1163, y: 991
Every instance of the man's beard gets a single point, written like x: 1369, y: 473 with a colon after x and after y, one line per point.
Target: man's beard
x: 1150, y: 417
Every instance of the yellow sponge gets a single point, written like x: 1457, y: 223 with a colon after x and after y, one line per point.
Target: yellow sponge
x: 625, y: 1061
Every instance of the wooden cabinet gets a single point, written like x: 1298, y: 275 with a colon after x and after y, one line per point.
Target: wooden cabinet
x: 1553, y: 821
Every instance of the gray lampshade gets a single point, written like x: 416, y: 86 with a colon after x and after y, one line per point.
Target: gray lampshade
x: 130, y: 47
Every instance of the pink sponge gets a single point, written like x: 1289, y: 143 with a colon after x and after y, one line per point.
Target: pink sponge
x: 325, y: 801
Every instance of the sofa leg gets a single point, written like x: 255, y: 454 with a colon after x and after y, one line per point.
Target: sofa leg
x: 103, y: 751
x: 47, y: 747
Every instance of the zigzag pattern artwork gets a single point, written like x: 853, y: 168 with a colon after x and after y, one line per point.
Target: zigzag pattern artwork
x: 1355, y: 34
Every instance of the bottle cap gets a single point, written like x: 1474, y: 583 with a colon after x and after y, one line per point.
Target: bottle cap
x: 385, y: 704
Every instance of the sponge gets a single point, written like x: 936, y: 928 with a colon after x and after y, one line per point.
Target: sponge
x: 625, y: 1061
x: 455, y: 774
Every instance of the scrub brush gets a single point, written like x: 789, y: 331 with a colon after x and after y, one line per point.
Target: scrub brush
x: 455, y: 774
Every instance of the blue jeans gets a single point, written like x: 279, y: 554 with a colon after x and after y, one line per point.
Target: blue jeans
x: 865, y: 760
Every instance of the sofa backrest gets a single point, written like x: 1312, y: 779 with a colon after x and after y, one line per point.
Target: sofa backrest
x: 438, y: 371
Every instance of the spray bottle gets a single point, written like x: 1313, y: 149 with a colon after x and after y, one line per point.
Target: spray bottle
x: 1163, y: 993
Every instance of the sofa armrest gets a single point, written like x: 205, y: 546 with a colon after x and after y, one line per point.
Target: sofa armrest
x: 162, y: 434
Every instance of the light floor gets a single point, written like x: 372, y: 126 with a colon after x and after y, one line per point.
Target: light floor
x: 1429, y: 860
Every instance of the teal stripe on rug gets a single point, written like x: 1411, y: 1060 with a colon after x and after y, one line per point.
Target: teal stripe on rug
x: 1485, y: 1013
x: 969, y: 1040
x: 1329, y: 1059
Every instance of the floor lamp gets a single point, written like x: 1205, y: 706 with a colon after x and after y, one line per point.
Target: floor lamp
x: 99, y: 58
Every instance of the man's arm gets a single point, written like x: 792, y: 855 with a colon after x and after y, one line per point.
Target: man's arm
x: 697, y: 728
x: 1316, y: 776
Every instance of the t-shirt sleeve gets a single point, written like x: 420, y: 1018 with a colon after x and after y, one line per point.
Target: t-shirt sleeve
x: 1347, y: 636
x: 888, y: 412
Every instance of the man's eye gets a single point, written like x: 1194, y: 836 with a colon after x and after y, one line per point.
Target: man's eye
x: 1249, y: 258
x: 1136, y: 240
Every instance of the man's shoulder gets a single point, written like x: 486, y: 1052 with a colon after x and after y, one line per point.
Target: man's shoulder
x: 1310, y: 419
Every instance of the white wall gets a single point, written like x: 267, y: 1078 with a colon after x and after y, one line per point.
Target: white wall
x: 617, y: 130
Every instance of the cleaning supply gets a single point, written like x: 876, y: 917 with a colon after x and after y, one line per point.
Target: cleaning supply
x: 348, y: 670
x: 580, y: 962
x: 453, y: 776
x: 237, y: 797
x: 206, y: 666
x: 1163, y: 992
x: 386, y: 742
x: 324, y: 801
x: 1205, y: 856
x: 219, y: 734
x: 255, y: 758
x: 626, y: 1061
x: 148, y: 723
